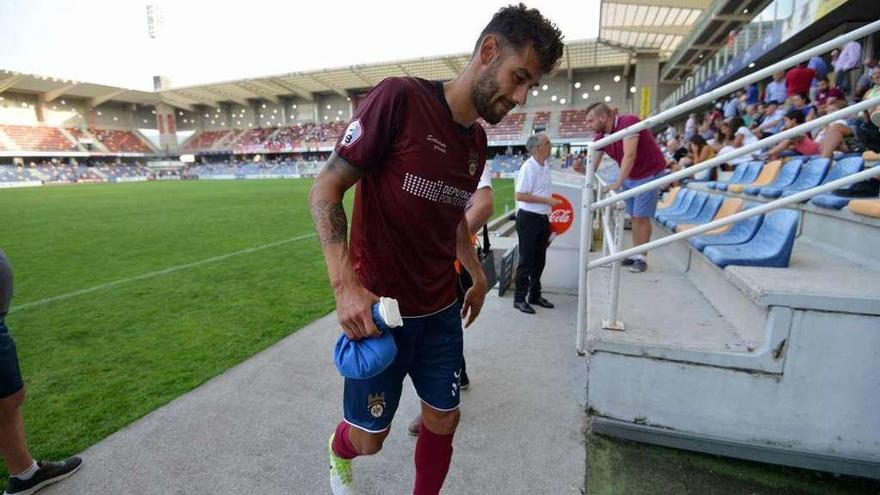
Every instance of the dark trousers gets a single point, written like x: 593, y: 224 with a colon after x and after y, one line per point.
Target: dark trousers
x: 533, y: 232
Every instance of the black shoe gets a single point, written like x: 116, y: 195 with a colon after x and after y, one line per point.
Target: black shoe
x: 627, y: 261
x: 541, y: 302
x: 465, y: 381
x: 638, y: 266
x: 524, y: 307
x: 48, y: 473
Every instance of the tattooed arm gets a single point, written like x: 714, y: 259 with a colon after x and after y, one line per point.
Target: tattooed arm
x: 353, y: 301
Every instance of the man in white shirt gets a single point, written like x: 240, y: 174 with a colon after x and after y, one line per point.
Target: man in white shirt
x: 534, y: 203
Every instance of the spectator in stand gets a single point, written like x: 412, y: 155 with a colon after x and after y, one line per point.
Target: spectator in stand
x: 844, y: 69
x: 706, y: 129
x: 865, y: 82
x: 674, y: 152
x: 818, y: 64
x: 801, y: 103
x: 772, y: 123
x: 776, y: 90
x: 698, y: 151
x: 825, y: 94
x: 751, y: 115
x: 690, y: 127
x: 753, y: 94
x: 731, y: 106
x: 797, y: 146
x: 833, y: 137
x: 799, y: 79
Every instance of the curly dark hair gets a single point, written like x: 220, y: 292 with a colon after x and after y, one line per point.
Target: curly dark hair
x: 517, y: 26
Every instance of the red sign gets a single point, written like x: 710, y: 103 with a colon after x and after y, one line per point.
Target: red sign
x: 562, y: 216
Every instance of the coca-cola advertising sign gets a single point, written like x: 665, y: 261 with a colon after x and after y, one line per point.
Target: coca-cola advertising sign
x: 562, y: 215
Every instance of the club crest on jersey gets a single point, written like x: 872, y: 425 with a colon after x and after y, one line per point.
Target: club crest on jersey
x: 472, y: 162
x: 376, y: 404
x: 354, y: 132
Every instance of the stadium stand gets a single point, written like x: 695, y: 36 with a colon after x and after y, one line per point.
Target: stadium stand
x: 509, y: 129
x: 37, y: 138
x: 205, y: 140
x: 121, y: 141
x: 573, y: 123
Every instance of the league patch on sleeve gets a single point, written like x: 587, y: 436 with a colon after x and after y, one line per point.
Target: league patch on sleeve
x: 353, y: 133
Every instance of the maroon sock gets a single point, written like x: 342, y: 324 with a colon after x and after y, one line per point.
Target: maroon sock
x: 433, y: 455
x: 342, y: 446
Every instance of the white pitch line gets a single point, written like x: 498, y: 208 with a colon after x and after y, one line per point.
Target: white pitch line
x: 194, y: 264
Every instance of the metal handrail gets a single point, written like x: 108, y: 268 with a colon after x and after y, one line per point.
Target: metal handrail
x: 757, y: 210
x: 587, y: 206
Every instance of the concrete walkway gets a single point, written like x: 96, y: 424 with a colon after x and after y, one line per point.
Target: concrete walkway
x: 262, y: 427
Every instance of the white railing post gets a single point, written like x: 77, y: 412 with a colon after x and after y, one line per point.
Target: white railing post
x: 586, y: 245
x: 614, y: 323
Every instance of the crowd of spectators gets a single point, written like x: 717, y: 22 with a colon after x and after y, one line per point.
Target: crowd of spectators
x: 810, y: 90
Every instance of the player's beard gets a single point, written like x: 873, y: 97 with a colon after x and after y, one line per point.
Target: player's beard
x: 490, y: 103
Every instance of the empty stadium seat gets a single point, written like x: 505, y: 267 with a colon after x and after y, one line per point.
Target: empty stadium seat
x: 770, y: 246
x: 839, y: 170
x: 786, y: 176
x: 692, y: 210
x: 706, y: 213
x: 811, y: 175
x: 670, y: 198
x: 736, y: 178
x: 573, y: 123
x: 510, y: 128
x: 765, y: 175
x: 729, y: 207
x: 682, y: 203
x: 741, y: 232
x: 865, y: 207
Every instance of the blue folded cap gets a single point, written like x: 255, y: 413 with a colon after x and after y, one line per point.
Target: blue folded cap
x: 368, y: 357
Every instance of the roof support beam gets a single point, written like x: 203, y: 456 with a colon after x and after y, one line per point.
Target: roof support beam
x: 404, y: 70
x: 226, y: 96
x: 452, y: 64
x: 682, y: 30
x: 293, y: 88
x: 97, y: 100
x: 10, y: 81
x: 259, y: 92
x: 329, y: 86
x: 210, y: 102
x: 176, y: 101
x: 360, y: 75
x: 55, y: 93
x: 733, y: 18
x: 681, y: 4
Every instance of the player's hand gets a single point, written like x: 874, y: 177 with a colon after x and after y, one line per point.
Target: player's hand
x: 474, y: 299
x: 354, y: 308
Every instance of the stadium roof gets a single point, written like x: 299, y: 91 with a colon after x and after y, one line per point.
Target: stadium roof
x: 580, y: 54
x: 649, y: 25
x: 709, y: 34
x: 51, y: 88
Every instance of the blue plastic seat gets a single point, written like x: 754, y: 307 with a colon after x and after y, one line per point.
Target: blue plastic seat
x: 831, y: 201
x: 741, y: 175
x: 693, y: 208
x: 786, y: 176
x: 841, y: 169
x: 770, y: 247
x: 682, y: 201
x: 811, y: 175
x: 706, y: 214
x: 741, y: 232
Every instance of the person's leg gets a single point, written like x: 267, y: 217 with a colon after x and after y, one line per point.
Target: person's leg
x: 540, y: 260
x: 436, y: 374
x: 526, y: 233
x: 643, y: 208
x: 13, y: 446
x: 833, y: 138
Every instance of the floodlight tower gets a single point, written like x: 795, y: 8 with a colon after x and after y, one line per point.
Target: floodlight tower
x: 165, y: 117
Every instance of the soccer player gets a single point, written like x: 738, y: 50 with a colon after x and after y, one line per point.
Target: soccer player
x: 26, y: 475
x: 415, y: 152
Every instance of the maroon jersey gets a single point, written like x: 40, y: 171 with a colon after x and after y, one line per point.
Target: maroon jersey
x: 420, y: 169
x: 649, y: 158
